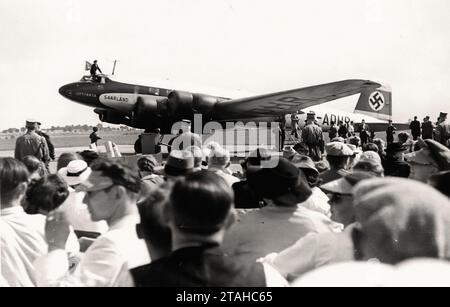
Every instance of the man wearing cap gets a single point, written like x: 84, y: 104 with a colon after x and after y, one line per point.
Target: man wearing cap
x: 31, y: 144
x: 338, y: 155
x: 112, y: 191
x: 364, y: 132
x: 312, y: 137
x: 390, y: 131
x: 443, y: 130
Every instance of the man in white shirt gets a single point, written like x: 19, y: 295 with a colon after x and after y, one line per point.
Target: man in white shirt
x: 21, y: 239
x: 111, y: 195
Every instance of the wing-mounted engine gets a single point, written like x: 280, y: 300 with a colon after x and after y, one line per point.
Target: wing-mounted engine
x: 144, y: 110
x: 184, y: 104
x: 112, y: 117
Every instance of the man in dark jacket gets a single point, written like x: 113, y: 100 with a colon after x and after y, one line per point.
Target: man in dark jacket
x: 394, y: 164
x: 199, y: 213
x: 51, y: 147
x: 427, y: 128
x: 390, y: 131
x: 93, y: 71
x: 415, y: 128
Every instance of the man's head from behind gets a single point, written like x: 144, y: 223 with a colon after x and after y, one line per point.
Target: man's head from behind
x: 111, y: 190
x: 200, y: 204
x: 13, y: 181
x: 400, y: 219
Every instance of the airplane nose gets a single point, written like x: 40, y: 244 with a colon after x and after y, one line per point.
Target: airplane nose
x: 65, y: 91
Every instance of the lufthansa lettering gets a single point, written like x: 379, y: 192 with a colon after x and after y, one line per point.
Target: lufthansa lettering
x: 116, y: 98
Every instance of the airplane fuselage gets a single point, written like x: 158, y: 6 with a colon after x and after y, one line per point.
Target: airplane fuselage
x: 154, y: 107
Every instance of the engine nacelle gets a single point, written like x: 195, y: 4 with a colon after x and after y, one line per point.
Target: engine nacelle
x: 184, y: 104
x: 144, y: 110
x: 113, y: 117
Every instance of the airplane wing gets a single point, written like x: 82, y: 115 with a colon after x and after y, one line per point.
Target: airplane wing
x: 277, y: 104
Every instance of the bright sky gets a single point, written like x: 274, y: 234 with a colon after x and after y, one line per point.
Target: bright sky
x: 221, y: 47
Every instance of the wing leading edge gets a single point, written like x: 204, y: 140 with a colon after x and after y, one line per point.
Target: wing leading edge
x: 285, y: 102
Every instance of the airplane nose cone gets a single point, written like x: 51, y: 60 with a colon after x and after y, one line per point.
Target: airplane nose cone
x: 65, y: 91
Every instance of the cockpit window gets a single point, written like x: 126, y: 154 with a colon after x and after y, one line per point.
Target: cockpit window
x: 100, y: 79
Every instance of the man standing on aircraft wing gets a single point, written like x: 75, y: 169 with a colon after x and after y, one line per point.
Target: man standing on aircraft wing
x: 312, y: 137
x: 94, y: 68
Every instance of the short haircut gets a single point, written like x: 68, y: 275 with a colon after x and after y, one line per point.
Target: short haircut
x: 46, y: 194
x: 201, y: 203
x: 12, y: 173
x: 65, y: 158
x: 89, y: 156
x: 380, y: 144
x: 119, y: 174
x: 403, y: 137
x: 33, y: 165
x: 153, y: 226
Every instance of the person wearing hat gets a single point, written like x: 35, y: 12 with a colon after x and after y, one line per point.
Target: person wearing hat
x: 312, y: 137
x: 427, y: 128
x: 443, y: 130
x: 112, y: 191
x: 284, y: 220
x: 31, y: 144
x: 320, y: 249
x: 338, y: 156
x: 390, y: 131
x: 244, y: 196
x: 400, y: 219
x: 394, y: 164
x: 433, y: 157
x: 178, y: 164
x: 75, y: 209
x: 318, y: 201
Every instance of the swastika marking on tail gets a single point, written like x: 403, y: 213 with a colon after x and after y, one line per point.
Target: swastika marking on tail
x: 376, y: 101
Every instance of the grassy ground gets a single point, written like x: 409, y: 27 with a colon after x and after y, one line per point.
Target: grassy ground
x: 74, y: 140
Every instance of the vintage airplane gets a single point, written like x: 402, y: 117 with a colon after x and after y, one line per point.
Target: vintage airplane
x: 153, y: 107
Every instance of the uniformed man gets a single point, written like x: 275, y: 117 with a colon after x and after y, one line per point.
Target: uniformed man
x: 442, y: 134
x: 312, y: 137
x: 390, y: 131
x: 427, y: 128
x: 94, y: 68
x: 31, y: 144
x: 51, y: 148
x: 415, y: 128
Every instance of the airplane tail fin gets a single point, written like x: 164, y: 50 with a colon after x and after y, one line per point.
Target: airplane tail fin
x: 376, y: 103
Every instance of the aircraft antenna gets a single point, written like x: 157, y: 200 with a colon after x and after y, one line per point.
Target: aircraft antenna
x: 114, y: 67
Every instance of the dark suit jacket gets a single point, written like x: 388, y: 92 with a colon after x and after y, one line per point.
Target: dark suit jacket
x: 199, y: 266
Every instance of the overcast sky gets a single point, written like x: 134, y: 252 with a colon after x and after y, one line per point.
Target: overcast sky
x: 227, y: 47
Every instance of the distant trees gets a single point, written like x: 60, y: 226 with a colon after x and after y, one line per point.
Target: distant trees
x: 73, y: 128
